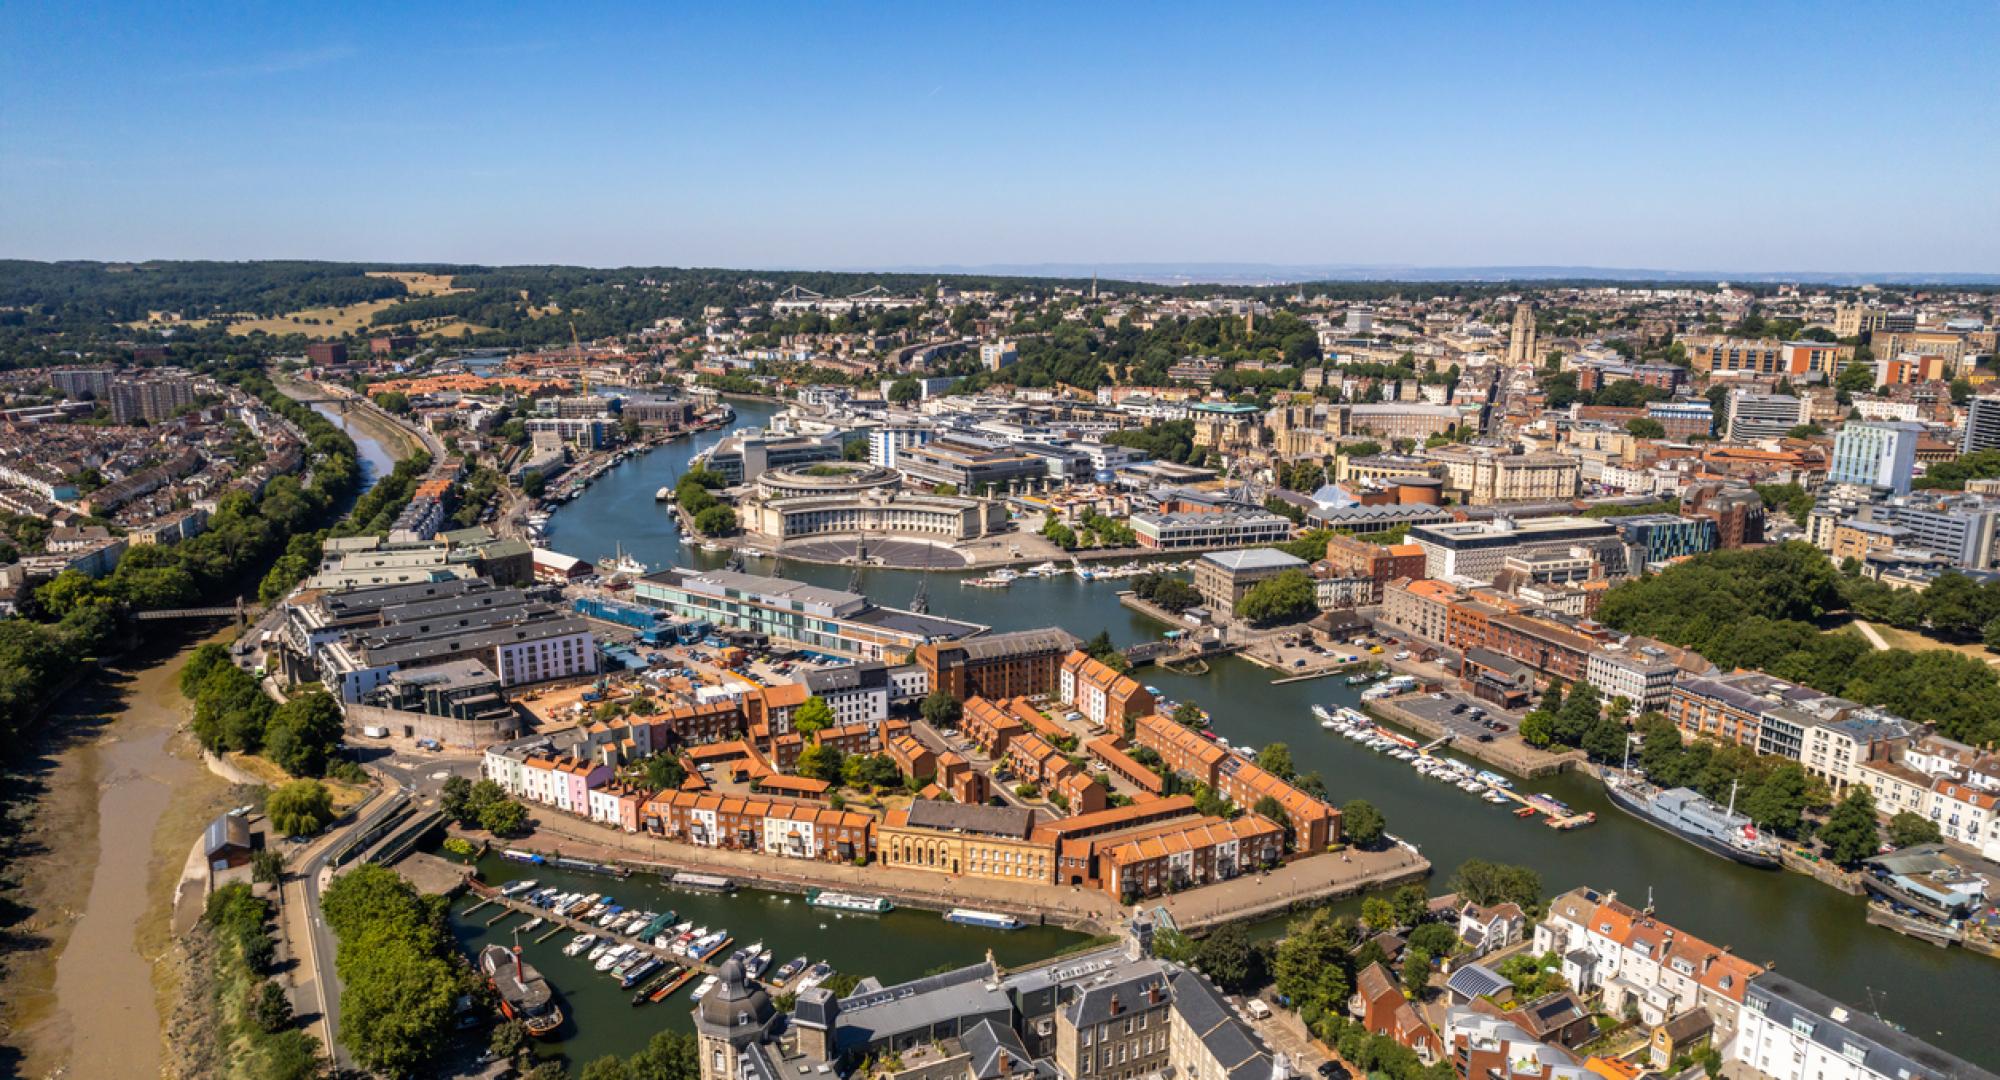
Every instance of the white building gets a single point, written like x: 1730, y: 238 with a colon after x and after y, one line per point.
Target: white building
x: 1793, y: 1032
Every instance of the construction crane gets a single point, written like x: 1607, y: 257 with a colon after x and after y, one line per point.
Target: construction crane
x: 576, y: 346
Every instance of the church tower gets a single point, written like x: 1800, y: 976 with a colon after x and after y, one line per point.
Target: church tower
x: 1521, y: 347
x: 731, y: 1019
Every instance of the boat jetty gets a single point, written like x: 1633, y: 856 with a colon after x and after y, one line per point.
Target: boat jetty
x: 1487, y: 785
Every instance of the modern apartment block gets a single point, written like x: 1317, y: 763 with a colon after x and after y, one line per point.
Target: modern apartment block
x: 833, y: 620
x: 1880, y: 454
x: 1763, y: 416
x: 1982, y: 425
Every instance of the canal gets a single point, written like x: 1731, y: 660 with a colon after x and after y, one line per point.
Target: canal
x: 1810, y: 931
x: 599, y: 1018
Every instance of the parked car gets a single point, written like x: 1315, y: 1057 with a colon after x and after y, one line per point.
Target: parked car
x: 432, y: 745
x: 376, y: 732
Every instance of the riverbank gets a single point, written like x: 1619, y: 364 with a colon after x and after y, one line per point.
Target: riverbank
x: 120, y: 788
x: 395, y: 438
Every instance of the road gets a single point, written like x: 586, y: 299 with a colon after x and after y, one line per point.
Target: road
x: 420, y: 777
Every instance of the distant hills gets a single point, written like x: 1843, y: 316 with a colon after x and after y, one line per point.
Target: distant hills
x: 1230, y: 273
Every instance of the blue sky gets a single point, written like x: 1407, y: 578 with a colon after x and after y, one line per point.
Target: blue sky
x: 1679, y: 136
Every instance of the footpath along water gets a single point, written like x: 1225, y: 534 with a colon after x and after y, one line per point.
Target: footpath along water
x: 1812, y: 932
x: 599, y: 1018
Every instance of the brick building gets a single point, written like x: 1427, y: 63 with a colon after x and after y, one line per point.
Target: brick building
x: 775, y: 826
x: 1104, y: 696
x: 1018, y: 664
x: 968, y: 839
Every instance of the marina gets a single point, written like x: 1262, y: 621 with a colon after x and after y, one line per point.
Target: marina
x: 1424, y: 759
x: 604, y: 1014
x: 1815, y: 932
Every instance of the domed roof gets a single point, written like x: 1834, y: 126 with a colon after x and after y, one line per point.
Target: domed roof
x: 736, y: 1005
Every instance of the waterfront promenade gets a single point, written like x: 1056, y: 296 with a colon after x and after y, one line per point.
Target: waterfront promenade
x: 1311, y: 880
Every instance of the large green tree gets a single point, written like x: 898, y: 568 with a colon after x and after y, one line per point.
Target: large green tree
x: 1286, y: 596
x: 299, y: 808
x: 1850, y: 833
x: 304, y: 733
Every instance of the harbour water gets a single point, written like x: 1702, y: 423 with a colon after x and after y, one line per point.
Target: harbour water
x: 599, y: 1017
x: 1809, y: 930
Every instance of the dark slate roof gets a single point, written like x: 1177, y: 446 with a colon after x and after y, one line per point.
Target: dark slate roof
x: 962, y: 817
x: 1092, y: 1003
x: 1887, y: 1050
x: 1232, y: 1043
x: 833, y: 680
x: 1019, y: 643
x: 996, y: 1050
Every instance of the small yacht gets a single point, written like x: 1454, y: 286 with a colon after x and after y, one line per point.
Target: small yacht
x: 579, y: 943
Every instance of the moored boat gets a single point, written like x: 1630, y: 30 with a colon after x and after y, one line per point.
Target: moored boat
x: 988, y: 919
x: 524, y: 995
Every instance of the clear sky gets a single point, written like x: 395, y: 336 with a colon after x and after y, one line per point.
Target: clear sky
x: 1760, y: 136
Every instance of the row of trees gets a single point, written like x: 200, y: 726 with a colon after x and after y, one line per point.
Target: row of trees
x: 231, y: 712
x: 1756, y: 608
x: 1167, y: 591
x: 1953, y: 607
x: 485, y: 805
x: 254, y: 1011
x: 400, y: 971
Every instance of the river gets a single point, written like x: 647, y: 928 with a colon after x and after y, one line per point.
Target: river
x: 1810, y: 931
x: 599, y: 1017
x: 375, y: 459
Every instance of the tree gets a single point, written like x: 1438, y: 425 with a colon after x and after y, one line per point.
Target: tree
x: 1310, y: 965
x: 715, y: 521
x: 905, y: 390
x: 671, y: 1055
x: 455, y: 799
x: 1485, y: 883
x: 1378, y: 914
x: 1645, y: 427
x: 1604, y: 740
x: 812, y: 717
x: 1907, y: 829
x: 821, y: 761
x: 509, y: 1038
x: 941, y: 710
x: 1538, y: 728
x: 533, y: 483
x: 665, y: 772
x: 1412, y: 904
x: 1435, y: 938
x: 1579, y: 712
x: 1273, y: 811
x: 1059, y: 534
x: 271, y: 1009
x: 1225, y: 955
x: 1288, y: 595
x: 1850, y: 834
x: 1276, y: 759
x: 1777, y: 802
x: 267, y: 867
x: 299, y: 808
x: 1416, y: 972
x: 1361, y: 823
x: 1552, y: 697
x: 304, y: 733
x: 1188, y: 714
x: 503, y: 817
